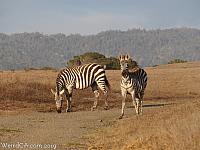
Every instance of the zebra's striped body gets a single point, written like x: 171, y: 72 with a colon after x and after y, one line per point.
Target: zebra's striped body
x: 135, y: 80
x: 81, y: 77
x: 133, y: 83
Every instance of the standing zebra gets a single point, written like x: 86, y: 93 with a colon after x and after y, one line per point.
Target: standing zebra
x: 133, y: 83
x: 80, y: 77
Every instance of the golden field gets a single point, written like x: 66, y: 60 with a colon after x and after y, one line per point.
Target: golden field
x: 172, y: 123
x: 170, y: 120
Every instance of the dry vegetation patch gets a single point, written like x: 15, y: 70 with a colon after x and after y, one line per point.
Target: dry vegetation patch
x: 174, y: 126
x: 170, y: 127
x: 30, y: 90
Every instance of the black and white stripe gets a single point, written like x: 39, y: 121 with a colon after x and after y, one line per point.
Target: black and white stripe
x: 136, y: 80
x: 81, y: 77
x: 133, y: 83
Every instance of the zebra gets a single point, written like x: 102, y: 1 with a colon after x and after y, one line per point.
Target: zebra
x: 80, y: 77
x: 133, y: 83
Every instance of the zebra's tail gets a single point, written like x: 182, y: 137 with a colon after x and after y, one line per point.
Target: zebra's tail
x: 107, y: 83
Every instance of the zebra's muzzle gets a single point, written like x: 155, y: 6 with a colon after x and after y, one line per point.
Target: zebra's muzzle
x: 59, y: 110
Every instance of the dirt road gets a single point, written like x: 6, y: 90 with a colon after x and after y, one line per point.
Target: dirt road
x: 66, y: 130
x: 58, y: 131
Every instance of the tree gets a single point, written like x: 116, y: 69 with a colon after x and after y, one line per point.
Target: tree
x: 94, y: 57
x: 111, y: 63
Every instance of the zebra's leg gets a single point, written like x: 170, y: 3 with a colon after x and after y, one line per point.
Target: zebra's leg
x: 96, y: 93
x: 68, y: 103
x: 134, y: 100
x: 69, y: 106
x: 101, y: 84
x: 141, y: 101
x: 106, y: 100
x: 124, y: 93
x: 137, y: 105
x: 69, y: 100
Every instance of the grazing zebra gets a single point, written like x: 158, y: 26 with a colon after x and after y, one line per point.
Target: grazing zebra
x: 80, y: 77
x: 133, y: 83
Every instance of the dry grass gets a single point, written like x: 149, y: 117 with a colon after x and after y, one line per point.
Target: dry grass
x: 30, y: 90
x: 172, y: 127
x: 26, y: 90
x: 175, y: 126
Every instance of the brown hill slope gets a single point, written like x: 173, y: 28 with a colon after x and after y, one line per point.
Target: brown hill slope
x: 31, y: 89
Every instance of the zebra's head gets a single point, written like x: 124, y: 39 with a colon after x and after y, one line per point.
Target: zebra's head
x: 124, y: 63
x: 58, y: 99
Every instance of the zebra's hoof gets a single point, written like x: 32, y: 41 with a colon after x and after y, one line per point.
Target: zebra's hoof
x: 68, y: 110
x: 106, y: 108
x: 138, y: 114
x: 120, y: 117
x: 93, y: 108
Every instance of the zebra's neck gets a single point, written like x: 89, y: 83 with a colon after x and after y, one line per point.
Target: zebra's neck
x: 125, y: 73
x: 59, y: 87
x: 125, y: 76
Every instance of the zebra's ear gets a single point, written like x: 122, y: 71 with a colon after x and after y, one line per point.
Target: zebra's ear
x: 61, y: 92
x: 53, y: 92
x: 120, y: 57
x: 127, y: 57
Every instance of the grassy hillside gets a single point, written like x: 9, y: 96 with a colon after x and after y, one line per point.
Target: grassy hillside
x: 24, y: 89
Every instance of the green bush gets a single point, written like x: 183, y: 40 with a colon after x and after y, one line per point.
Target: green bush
x: 177, y: 61
x: 94, y: 57
x: 111, y: 63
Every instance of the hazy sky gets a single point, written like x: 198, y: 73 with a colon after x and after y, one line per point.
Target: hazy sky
x: 93, y: 16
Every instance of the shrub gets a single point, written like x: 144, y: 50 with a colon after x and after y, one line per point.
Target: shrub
x: 177, y: 61
x: 93, y: 57
x: 47, y: 68
x: 111, y: 63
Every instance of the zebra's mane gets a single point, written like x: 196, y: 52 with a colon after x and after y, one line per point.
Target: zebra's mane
x: 79, y: 68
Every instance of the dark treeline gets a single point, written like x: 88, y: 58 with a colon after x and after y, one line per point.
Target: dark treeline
x: 147, y: 47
